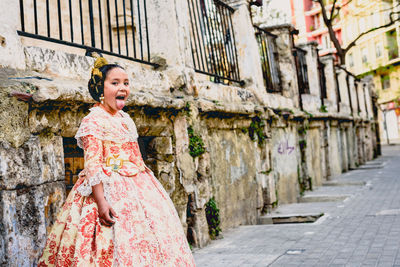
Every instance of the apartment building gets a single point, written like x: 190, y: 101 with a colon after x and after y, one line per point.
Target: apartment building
x: 376, y: 54
x: 307, y: 19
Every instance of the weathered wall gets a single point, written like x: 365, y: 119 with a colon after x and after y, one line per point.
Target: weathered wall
x: 314, y: 155
x: 334, y: 150
x: 285, y: 161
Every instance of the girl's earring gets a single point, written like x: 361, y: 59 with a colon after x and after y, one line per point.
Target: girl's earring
x: 102, y: 99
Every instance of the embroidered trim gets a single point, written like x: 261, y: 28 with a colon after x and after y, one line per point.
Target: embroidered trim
x: 85, y: 189
x: 102, y: 125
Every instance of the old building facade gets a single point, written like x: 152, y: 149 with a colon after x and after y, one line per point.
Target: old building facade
x: 226, y: 111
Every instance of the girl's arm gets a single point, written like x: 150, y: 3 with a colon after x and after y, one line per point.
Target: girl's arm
x: 93, y: 148
x: 106, y: 212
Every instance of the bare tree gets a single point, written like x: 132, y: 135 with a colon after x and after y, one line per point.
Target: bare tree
x: 329, y: 16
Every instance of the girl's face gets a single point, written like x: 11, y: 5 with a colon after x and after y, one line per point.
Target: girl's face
x: 116, y: 90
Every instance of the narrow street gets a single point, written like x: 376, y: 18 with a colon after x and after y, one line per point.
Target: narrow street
x: 360, y: 229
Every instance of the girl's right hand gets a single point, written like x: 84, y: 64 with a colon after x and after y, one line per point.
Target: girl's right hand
x: 106, y: 213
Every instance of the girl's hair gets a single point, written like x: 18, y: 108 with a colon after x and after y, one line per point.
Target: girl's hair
x: 96, y: 82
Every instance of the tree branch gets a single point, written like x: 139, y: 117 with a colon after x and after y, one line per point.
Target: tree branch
x: 345, y: 4
x: 353, y: 43
x: 332, y: 10
x: 331, y: 32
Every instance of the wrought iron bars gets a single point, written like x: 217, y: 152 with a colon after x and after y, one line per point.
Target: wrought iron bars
x: 301, y: 67
x: 322, y: 81
x: 213, y: 41
x: 90, y: 24
x: 269, y: 59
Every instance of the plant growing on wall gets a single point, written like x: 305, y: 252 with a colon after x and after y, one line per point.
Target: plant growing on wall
x: 323, y: 109
x: 256, y: 129
x: 186, y: 109
x: 196, y: 144
x: 213, y: 221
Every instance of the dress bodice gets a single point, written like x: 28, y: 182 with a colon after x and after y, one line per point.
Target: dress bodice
x: 110, y: 146
x: 124, y: 158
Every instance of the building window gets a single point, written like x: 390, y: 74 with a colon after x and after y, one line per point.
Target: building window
x: 385, y: 81
x: 351, y: 60
x: 212, y: 40
x: 117, y: 29
x: 326, y: 42
x: 378, y: 50
x: 362, y: 25
x: 269, y: 59
x: 376, y: 19
x: 393, y: 49
x: 73, y: 161
x: 364, y: 55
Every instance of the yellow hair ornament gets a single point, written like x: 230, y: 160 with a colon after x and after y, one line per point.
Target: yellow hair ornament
x: 100, y: 62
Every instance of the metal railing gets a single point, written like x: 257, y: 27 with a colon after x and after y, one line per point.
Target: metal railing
x: 269, y: 59
x: 301, y: 68
x: 117, y: 28
x: 322, y: 81
x: 212, y: 40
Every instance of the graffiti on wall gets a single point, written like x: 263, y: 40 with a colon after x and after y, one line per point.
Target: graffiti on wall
x: 284, y: 148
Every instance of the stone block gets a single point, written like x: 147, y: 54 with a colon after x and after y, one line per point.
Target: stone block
x: 165, y: 173
x: 201, y: 228
x: 40, y: 120
x: 203, y: 168
x: 187, y: 171
x: 37, y: 161
x: 25, y: 215
x: 22, y: 166
x: 161, y: 145
x: 70, y: 121
x: 13, y: 113
x: 181, y: 135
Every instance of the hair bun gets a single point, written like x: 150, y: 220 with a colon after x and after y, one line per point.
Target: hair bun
x: 100, y: 62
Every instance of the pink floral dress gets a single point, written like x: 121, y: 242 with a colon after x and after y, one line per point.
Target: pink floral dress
x: 147, y: 232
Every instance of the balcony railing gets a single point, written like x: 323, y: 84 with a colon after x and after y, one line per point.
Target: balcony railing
x: 117, y: 28
x: 212, y: 40
x: 269, y: 59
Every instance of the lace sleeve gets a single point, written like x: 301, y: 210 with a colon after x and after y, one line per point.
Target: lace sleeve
x: 93, y: 148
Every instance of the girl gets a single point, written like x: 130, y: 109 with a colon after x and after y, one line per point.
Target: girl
x: 117, y: 213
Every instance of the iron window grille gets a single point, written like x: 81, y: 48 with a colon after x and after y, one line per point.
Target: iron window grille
x: 212, y: 40
x: 118, y: 28
x: 269, y: 59
x: 301, y: 68
x: 73, y: 161
x: 322, y: 80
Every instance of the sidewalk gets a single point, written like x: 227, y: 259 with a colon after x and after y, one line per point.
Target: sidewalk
x: 361, y: 228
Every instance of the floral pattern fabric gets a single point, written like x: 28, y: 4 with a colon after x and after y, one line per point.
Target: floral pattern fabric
x: 147, y: 231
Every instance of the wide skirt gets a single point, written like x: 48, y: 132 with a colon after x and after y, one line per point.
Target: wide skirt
x: 147, y: 231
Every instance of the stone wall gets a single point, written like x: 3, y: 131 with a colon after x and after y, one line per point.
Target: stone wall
x: 260, y: 149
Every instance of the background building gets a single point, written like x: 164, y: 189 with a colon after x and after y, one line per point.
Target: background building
x: 307, y: 18
x: 376, y: 54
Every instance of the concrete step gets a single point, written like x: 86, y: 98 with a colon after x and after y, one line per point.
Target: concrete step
x: 372, y: 165
x: 344, y: 183
x: 322, y: 198
x: 289, y: 218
